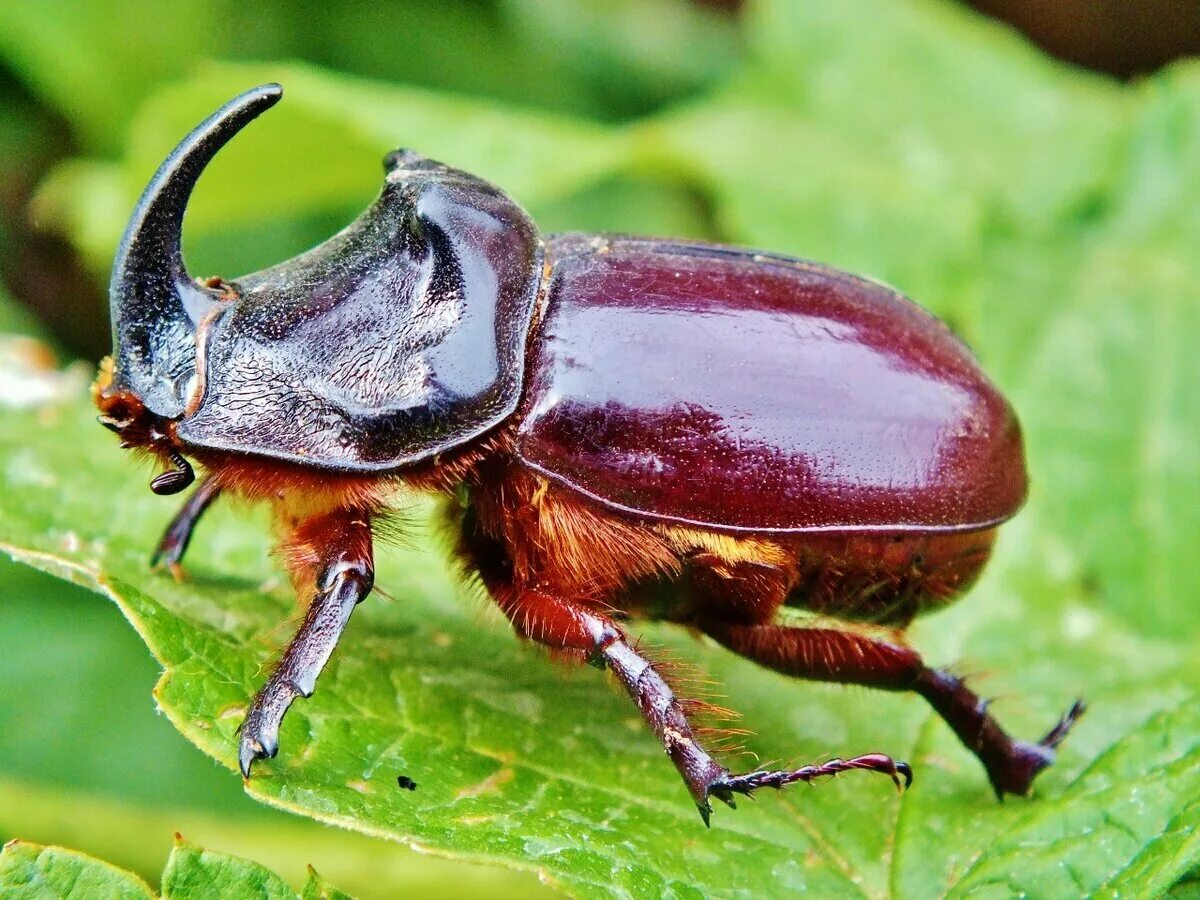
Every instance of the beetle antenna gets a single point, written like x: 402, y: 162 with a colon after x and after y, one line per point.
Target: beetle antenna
x: 175, y: 480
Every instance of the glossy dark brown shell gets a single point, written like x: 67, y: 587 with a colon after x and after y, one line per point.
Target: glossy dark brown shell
x: 737, y: 390
x: 400, y: 337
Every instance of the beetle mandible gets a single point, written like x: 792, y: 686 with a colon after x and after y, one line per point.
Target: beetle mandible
x: 620, y: 427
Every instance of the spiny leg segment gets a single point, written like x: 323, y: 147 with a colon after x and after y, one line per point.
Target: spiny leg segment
x: 849, y: 658
x: 576, y: 627
x: 338, y: 549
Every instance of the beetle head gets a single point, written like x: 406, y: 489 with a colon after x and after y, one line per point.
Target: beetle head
x: 123, y: 413
x: 156, y: 306
x: 398, y: 338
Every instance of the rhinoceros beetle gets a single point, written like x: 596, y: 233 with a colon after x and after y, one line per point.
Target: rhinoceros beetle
x: 620, y: 427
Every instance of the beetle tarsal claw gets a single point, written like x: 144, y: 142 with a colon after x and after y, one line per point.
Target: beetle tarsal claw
x: 259, y: 734
x: 1015, y: 773
x: 1063, y: 727
x: 247, y: 754
x: 727, y: 785
x: 258, y: 741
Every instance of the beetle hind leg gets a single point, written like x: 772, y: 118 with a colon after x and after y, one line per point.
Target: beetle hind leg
x: 1011, y: 765
x: 824, y: 654
x: 337, y: 550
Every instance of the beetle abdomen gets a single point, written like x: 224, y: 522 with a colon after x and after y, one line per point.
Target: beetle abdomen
x: 746, y: 391
x: 886, y: 579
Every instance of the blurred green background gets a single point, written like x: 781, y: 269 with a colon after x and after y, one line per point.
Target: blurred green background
x: 92, y: 95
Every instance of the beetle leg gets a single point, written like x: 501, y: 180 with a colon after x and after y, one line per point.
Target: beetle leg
x: 848, y: 658
x: 342, y: 542
x: 578, y: 628
x: 174, y: 542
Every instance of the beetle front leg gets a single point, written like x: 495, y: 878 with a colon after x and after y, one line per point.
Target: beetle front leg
x: 577, y: 628
x: 174, y: 542
x: 340, y: 545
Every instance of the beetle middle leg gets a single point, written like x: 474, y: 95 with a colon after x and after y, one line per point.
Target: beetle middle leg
x: 174, y: 542
x: 577, y: 628
x: 559, y: 599
x: 333, y: 553
x: 826, y: 654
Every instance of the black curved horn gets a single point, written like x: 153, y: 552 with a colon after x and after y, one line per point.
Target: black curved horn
x: 155, y: 304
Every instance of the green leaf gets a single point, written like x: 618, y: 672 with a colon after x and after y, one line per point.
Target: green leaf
x: 317, y: 888
x: 32, y: 872
x: 634, y: 54
x: 1127, y: 826
x: 193, y: 873
x: 135, y: 834
x: 508, y: 769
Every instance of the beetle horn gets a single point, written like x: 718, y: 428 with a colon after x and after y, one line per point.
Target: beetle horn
x: 156, y: 306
